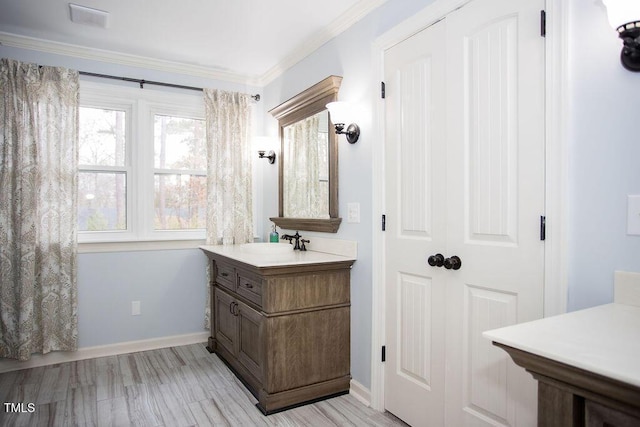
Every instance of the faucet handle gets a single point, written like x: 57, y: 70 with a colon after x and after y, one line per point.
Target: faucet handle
x: 302, y: 246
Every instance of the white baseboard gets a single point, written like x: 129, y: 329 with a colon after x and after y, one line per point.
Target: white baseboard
x: 7, y: 365
x: 360, y: 392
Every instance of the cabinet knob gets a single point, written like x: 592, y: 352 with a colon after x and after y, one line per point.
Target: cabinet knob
x: 248, y: 285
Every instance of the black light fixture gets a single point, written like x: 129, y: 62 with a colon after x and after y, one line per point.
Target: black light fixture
x: 624, y: 17
x: 271, y: 156
x: 340, y: 114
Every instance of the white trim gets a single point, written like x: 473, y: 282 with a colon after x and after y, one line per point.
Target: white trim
x: 93, y: 54
x: 149, y: 245
x: 360, y: 392
x: 556, y: 281
x: 7, y: 365
x: 556, y: 54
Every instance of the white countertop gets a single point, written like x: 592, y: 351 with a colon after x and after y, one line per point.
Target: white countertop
x: 278, y: 257
x: 604, y: 340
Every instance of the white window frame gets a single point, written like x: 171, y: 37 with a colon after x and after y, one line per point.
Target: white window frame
x: 140, y: 106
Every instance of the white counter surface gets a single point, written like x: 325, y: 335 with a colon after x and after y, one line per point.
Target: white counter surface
x: 603, y: 339
x: 278, y: 257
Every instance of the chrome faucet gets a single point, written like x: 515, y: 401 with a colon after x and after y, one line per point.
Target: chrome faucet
x: 297, y: 238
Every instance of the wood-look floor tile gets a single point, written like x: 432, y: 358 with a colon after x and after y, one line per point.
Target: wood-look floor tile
x: 172, y: 407
x: 109, y: 381
x: 55, y: 384
x: 168, y: 387
x: 129, y: 370
x: 83, y: 373
x: 190, y: 387
x: 114, y: 412
x: 207, y: 413
x: 142, y: 408
x: 236, y: 408
x: 82, y: 406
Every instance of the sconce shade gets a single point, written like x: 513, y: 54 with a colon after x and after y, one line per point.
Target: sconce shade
x: 339, y: 112
x: 621, y: 12
x: 624, y: 16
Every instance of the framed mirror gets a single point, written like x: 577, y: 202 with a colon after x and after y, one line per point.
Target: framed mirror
x: 308, y: 174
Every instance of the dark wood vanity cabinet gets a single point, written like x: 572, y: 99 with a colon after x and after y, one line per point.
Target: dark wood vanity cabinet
x: 284, y: 330
x: 572, y: 397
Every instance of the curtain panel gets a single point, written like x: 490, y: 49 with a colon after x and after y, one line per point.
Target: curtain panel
x: 229, y: 171
x: 38, y: 209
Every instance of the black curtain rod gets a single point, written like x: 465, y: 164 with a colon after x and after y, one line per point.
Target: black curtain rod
x: 142, y: 82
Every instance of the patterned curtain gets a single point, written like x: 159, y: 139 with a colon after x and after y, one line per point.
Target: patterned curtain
x: 38, y: 209
x: 229, y: 198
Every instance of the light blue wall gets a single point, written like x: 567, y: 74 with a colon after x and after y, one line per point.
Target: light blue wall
x: 604, y: 157
x: 171, y: 286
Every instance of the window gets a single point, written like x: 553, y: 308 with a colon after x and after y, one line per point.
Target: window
x: 142, y: 165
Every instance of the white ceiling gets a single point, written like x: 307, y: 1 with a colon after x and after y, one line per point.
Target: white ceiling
x: 252, y: 40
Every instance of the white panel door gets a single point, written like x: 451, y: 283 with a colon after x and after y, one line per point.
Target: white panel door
x: 495, y: 186
x: 465, y: 177
x: 415, y: 174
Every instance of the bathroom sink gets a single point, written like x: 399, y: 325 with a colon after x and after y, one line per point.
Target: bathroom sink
x: 267, y: 248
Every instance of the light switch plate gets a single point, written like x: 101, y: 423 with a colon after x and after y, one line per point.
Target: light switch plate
x: 353, y: 212
x: 633, y: 216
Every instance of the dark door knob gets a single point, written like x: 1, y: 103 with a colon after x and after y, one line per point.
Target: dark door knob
x: 436, y: 260
x: 453, y: 263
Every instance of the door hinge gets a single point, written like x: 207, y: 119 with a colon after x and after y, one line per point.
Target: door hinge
x: 543, y: 227
x: 384, y: 223
x: 384, y: 353
x: 543, y: 23
x: 383, y: 90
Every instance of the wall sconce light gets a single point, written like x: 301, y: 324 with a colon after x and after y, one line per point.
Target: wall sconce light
x: 271, y: 156
x: 624, y: 16
x: 340, y: 114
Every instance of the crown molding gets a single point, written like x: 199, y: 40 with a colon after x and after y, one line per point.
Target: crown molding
x: 345, y: 21
x: 66, y: 49
x: 342, y: 23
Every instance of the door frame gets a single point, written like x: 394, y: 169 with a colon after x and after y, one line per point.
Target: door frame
x: 556, y: 162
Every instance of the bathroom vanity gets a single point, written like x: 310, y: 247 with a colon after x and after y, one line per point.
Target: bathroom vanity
x: 280, y: 319
x: 586, y: 363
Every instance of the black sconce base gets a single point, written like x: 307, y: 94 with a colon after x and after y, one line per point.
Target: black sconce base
x: 630, y: 55
x: 352, y: 133
x: 271, y: 156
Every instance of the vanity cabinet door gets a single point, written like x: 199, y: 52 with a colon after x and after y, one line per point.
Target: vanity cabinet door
x: 250, y: 340
x: 597, y: 415
x: 226, y: 323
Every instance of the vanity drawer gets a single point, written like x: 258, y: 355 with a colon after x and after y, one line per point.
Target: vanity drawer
x: 250, y: 288
x: 226, y: 276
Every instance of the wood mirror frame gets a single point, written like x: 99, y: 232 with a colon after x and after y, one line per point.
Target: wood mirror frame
x: 301, y: 106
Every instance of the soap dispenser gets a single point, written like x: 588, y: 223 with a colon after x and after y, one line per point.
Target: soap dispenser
x: 273, y: 236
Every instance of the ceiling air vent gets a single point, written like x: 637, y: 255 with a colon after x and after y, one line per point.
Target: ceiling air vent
x: 88, y: 16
